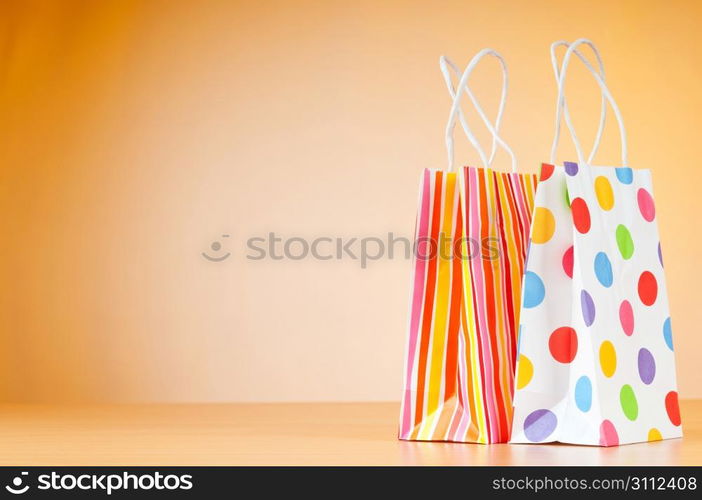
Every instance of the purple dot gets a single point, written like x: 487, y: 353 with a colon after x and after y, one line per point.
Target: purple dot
x: 588, y: 307
x: 647, y: 366
x: 539, y: 425
x: 660, y: 254
x: 571, y: 168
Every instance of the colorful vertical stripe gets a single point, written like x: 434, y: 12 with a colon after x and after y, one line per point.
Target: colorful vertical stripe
x: 471, y: 240
x: 497, y: 213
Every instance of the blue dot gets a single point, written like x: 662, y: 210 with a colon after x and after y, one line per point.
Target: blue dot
x: 603, y: 269
x: 668, y: 334
x: 625, y: 175
x: 570, y: 168
x: 534, y: 290
x: 583, y: 393
x: 519, y: 340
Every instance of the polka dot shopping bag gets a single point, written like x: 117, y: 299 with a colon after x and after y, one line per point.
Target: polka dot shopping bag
x: 596, y: 363
x: 472, y: 234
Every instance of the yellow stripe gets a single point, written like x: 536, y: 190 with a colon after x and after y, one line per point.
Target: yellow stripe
x: 469, y: 320
x: 503, y: 350
x: 441, y: 305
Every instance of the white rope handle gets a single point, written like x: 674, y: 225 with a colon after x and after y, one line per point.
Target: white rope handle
x: 445, y: 63
x: 461, y: 87
x: 566, y: 112
x: 561, y: 101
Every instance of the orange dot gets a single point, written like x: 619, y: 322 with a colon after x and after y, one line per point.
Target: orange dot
x: 581, y: 215
x: 563, y: 344
x: 648, y: 288
x: 546, y: 171
x: 672, y: 407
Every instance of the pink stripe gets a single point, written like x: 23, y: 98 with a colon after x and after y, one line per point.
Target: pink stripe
x: 455, y: 420
x: 474, y: 197
x: 515, y: 193
x: 417, y: 296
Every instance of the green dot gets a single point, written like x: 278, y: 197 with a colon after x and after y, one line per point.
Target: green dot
x: 628, y: 401
x: 624, y: 242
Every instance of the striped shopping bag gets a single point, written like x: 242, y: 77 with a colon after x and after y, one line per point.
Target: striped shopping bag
x: 471, y: 234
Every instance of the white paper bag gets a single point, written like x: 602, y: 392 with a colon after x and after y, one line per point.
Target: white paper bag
x: 596, y: 363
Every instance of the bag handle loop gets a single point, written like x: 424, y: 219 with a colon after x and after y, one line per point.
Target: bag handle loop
x: 561, y: 101
x: 566, y: 112
x: 462, y: 86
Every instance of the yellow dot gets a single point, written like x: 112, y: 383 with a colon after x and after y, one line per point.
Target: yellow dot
x: 608, y: 358
x: 654, y: 435
x: 543, y: 226
x: 525, y: 371
x: 605, y: 195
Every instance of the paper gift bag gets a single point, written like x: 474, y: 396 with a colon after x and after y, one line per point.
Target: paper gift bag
x: 471, y: 239
x: 596, y: 363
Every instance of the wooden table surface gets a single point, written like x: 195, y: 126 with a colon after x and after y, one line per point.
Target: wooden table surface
x: 283, y: 434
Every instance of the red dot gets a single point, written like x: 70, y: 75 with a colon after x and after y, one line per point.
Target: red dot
x: 648, y: 288
x: 581, y: 215
x: 672, y: 407
x: 608, y: 434
x: 546, y: 171
x: 568, y: 262
x: 563, y: 344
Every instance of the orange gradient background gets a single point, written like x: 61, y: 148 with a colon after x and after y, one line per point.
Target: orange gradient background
x: 133, y: 134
